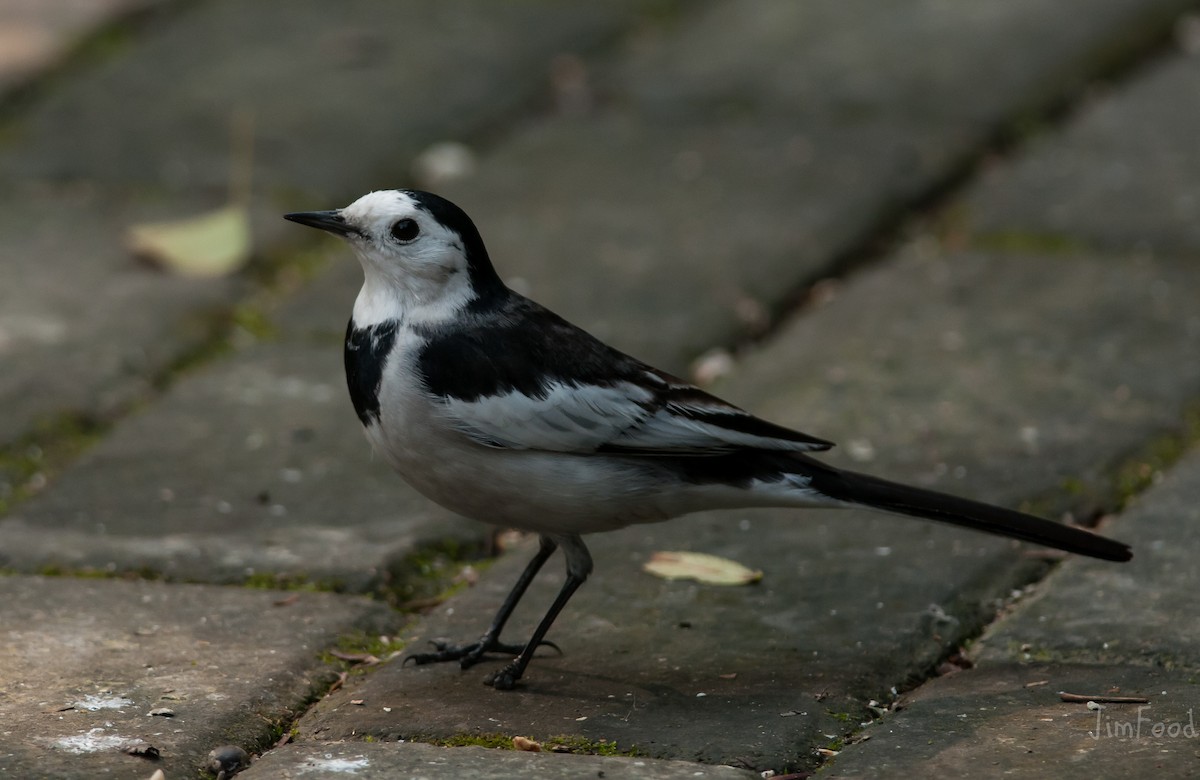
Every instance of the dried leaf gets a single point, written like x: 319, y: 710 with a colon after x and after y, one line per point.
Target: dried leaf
x: 700, y: 567
x: 524, y: 743
x: 212, y: 244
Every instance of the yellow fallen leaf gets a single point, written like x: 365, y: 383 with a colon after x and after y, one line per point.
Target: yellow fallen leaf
x: 701, y: 567
x: 212, y: 244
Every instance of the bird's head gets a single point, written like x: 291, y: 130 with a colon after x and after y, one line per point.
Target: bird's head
x: 422, y: 256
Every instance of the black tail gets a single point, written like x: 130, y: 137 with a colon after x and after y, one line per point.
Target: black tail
x: 917, y: 502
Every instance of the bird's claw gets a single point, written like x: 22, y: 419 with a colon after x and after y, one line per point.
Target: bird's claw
x: 467, y: 655
x: 505, y: 679
x: 470, y: 654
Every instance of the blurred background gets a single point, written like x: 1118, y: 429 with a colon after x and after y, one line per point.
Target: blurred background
x: 958, y: 238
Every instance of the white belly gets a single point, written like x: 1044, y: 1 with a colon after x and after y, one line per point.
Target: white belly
x: 536, y: 491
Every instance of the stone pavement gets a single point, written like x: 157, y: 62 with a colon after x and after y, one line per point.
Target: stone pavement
x: 747, y: 182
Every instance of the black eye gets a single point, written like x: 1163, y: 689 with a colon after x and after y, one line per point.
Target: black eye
x: 405, y: 229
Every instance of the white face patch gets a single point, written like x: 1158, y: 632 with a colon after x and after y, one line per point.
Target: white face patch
x: 422, y: 279
x: 378, y: 209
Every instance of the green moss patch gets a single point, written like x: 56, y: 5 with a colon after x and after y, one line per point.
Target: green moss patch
x: 30, y: 463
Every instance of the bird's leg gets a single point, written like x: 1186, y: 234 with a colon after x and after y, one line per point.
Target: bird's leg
x: 579, y: 566
x: 470, y: 654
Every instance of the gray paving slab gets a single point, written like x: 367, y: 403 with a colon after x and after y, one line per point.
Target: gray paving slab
x: 84, y: 663
x: 340, y: 104
x: 1086, y: 630
x: 255, y: 465
x: 1141, y: 614
x: 1124, y: 174
x: 366, y: 760
x: 928, y: 370
x: 1007, y: 720
x: 743, y: 152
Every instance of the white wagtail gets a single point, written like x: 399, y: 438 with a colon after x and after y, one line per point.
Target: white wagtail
x: 500, y: 410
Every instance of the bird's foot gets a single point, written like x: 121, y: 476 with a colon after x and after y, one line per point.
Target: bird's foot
x: 470, y: 654
x: 506, y: 679
x: 467, y: 655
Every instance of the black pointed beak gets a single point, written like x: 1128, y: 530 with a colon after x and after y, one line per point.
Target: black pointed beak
x: 331, y: 221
